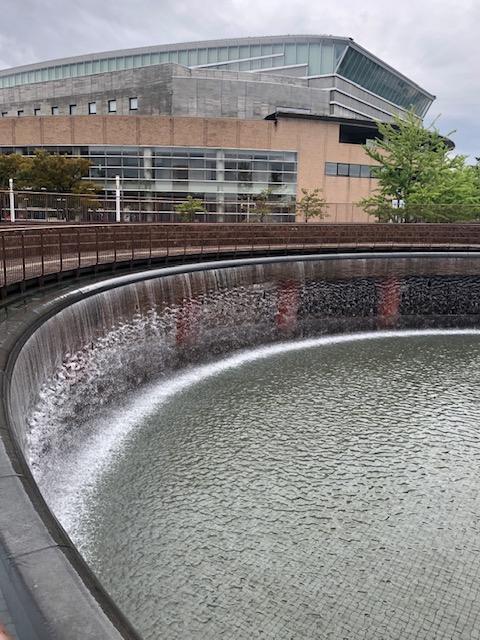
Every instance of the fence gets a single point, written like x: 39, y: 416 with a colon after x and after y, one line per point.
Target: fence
x: 61, y: 207
x: 38, y: 251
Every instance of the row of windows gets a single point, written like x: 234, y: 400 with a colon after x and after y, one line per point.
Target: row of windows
x: 348, y: 170
x: 171, y: 168
x: 73, y: 109
x: 321, y: 58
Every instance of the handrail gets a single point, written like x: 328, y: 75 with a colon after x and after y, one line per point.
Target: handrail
x: 32, y: 253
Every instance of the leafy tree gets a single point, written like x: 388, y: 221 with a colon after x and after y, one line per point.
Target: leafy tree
x: 56, y: 173
x: 311, y: 205
x: 11, y: 166
x: 186, y: 210
x: 265, y: 202
x: 417, y: 173
x: 46, y: 172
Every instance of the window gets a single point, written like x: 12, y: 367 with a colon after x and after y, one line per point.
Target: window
x: 73, y: 109
x: 365, y: 171
x: 92, y: 107
x: 330, y: 168
x: 36, y: 111
x: 4, y: 113
x: 133, y: 103
x: 55, y: 111
x: 112, y: 106
x: 20, y: 112
x: 351, y: 170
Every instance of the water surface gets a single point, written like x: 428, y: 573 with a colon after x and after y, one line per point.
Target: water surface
x: 328, y: 492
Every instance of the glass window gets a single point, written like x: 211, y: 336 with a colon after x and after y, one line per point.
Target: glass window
x: 331, y: 168
x: 4, y: 113
x: 137, y: 61
x: 36, y: 111
x: 290, y: 57
x: 112, y: 106
x: 342, y: 169
x: 354, y: 170
x: 20, y: 112
x: 103, y: 65
x: 92, y: 107
x: 73, y: 109
x: 365, y: 171
x: 302, y: 52
x: 326, y: 65
x: 133, y: 104
x: 183, y: 58
x: 202, y: 56
x: 55, y: 111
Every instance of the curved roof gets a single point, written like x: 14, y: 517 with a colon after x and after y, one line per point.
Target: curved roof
x: 305, y: 56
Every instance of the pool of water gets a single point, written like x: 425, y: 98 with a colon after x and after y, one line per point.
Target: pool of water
x: 328, y: 489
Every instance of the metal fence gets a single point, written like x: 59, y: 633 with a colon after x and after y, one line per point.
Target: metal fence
x: 64, y: 207
x: 36, y: 252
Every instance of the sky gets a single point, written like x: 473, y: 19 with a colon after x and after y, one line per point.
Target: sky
x: 432, y: 42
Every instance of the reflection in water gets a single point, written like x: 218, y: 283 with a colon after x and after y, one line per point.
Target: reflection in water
x: 323, y: 492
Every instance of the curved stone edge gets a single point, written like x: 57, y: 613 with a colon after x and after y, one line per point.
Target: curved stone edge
x: 49, y: 589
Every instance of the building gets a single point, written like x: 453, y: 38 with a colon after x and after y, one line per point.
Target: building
x: 222, y: 120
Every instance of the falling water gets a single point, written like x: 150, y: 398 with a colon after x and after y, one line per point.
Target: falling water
x: 97, y: 369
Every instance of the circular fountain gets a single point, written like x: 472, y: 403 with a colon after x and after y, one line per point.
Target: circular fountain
x: 74, y: 358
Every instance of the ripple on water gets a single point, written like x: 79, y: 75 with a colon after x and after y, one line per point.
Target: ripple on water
x: 329, y: 492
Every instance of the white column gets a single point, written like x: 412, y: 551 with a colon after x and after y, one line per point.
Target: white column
x: 12, y: 200
x: 117, y: 198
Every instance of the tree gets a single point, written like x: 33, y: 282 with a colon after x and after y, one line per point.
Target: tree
x: 46, y: 172
x: 56, y: 173
x: 186, y: 210
x: 266, y: 201
x: 418, y: 179
x: 311, y: 205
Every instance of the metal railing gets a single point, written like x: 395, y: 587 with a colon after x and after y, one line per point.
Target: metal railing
x: 65, y: 207
x: 37, y: 252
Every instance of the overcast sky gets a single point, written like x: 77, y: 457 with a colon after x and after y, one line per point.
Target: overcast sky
x: 433, y: 42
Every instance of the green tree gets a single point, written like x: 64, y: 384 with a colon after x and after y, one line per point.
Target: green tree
x: 11, y: 166
x: 266, y: 203
x: 311, y: 205
x: 186, y: 210
x: 46, y: 172
x: 56, y: 173
x: 417, y: 172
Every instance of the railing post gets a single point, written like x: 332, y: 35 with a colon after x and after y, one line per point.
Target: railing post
x: 4, y: 256
x: 43, y: 254
x: 24, y: 268
x: 12, y: 200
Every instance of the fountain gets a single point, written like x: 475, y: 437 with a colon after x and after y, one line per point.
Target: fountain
x: 73, y: 357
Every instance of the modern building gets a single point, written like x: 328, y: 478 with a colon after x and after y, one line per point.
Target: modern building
x: 222, y: 120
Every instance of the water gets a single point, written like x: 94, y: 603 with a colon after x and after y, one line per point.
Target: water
x: 329, y: 491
